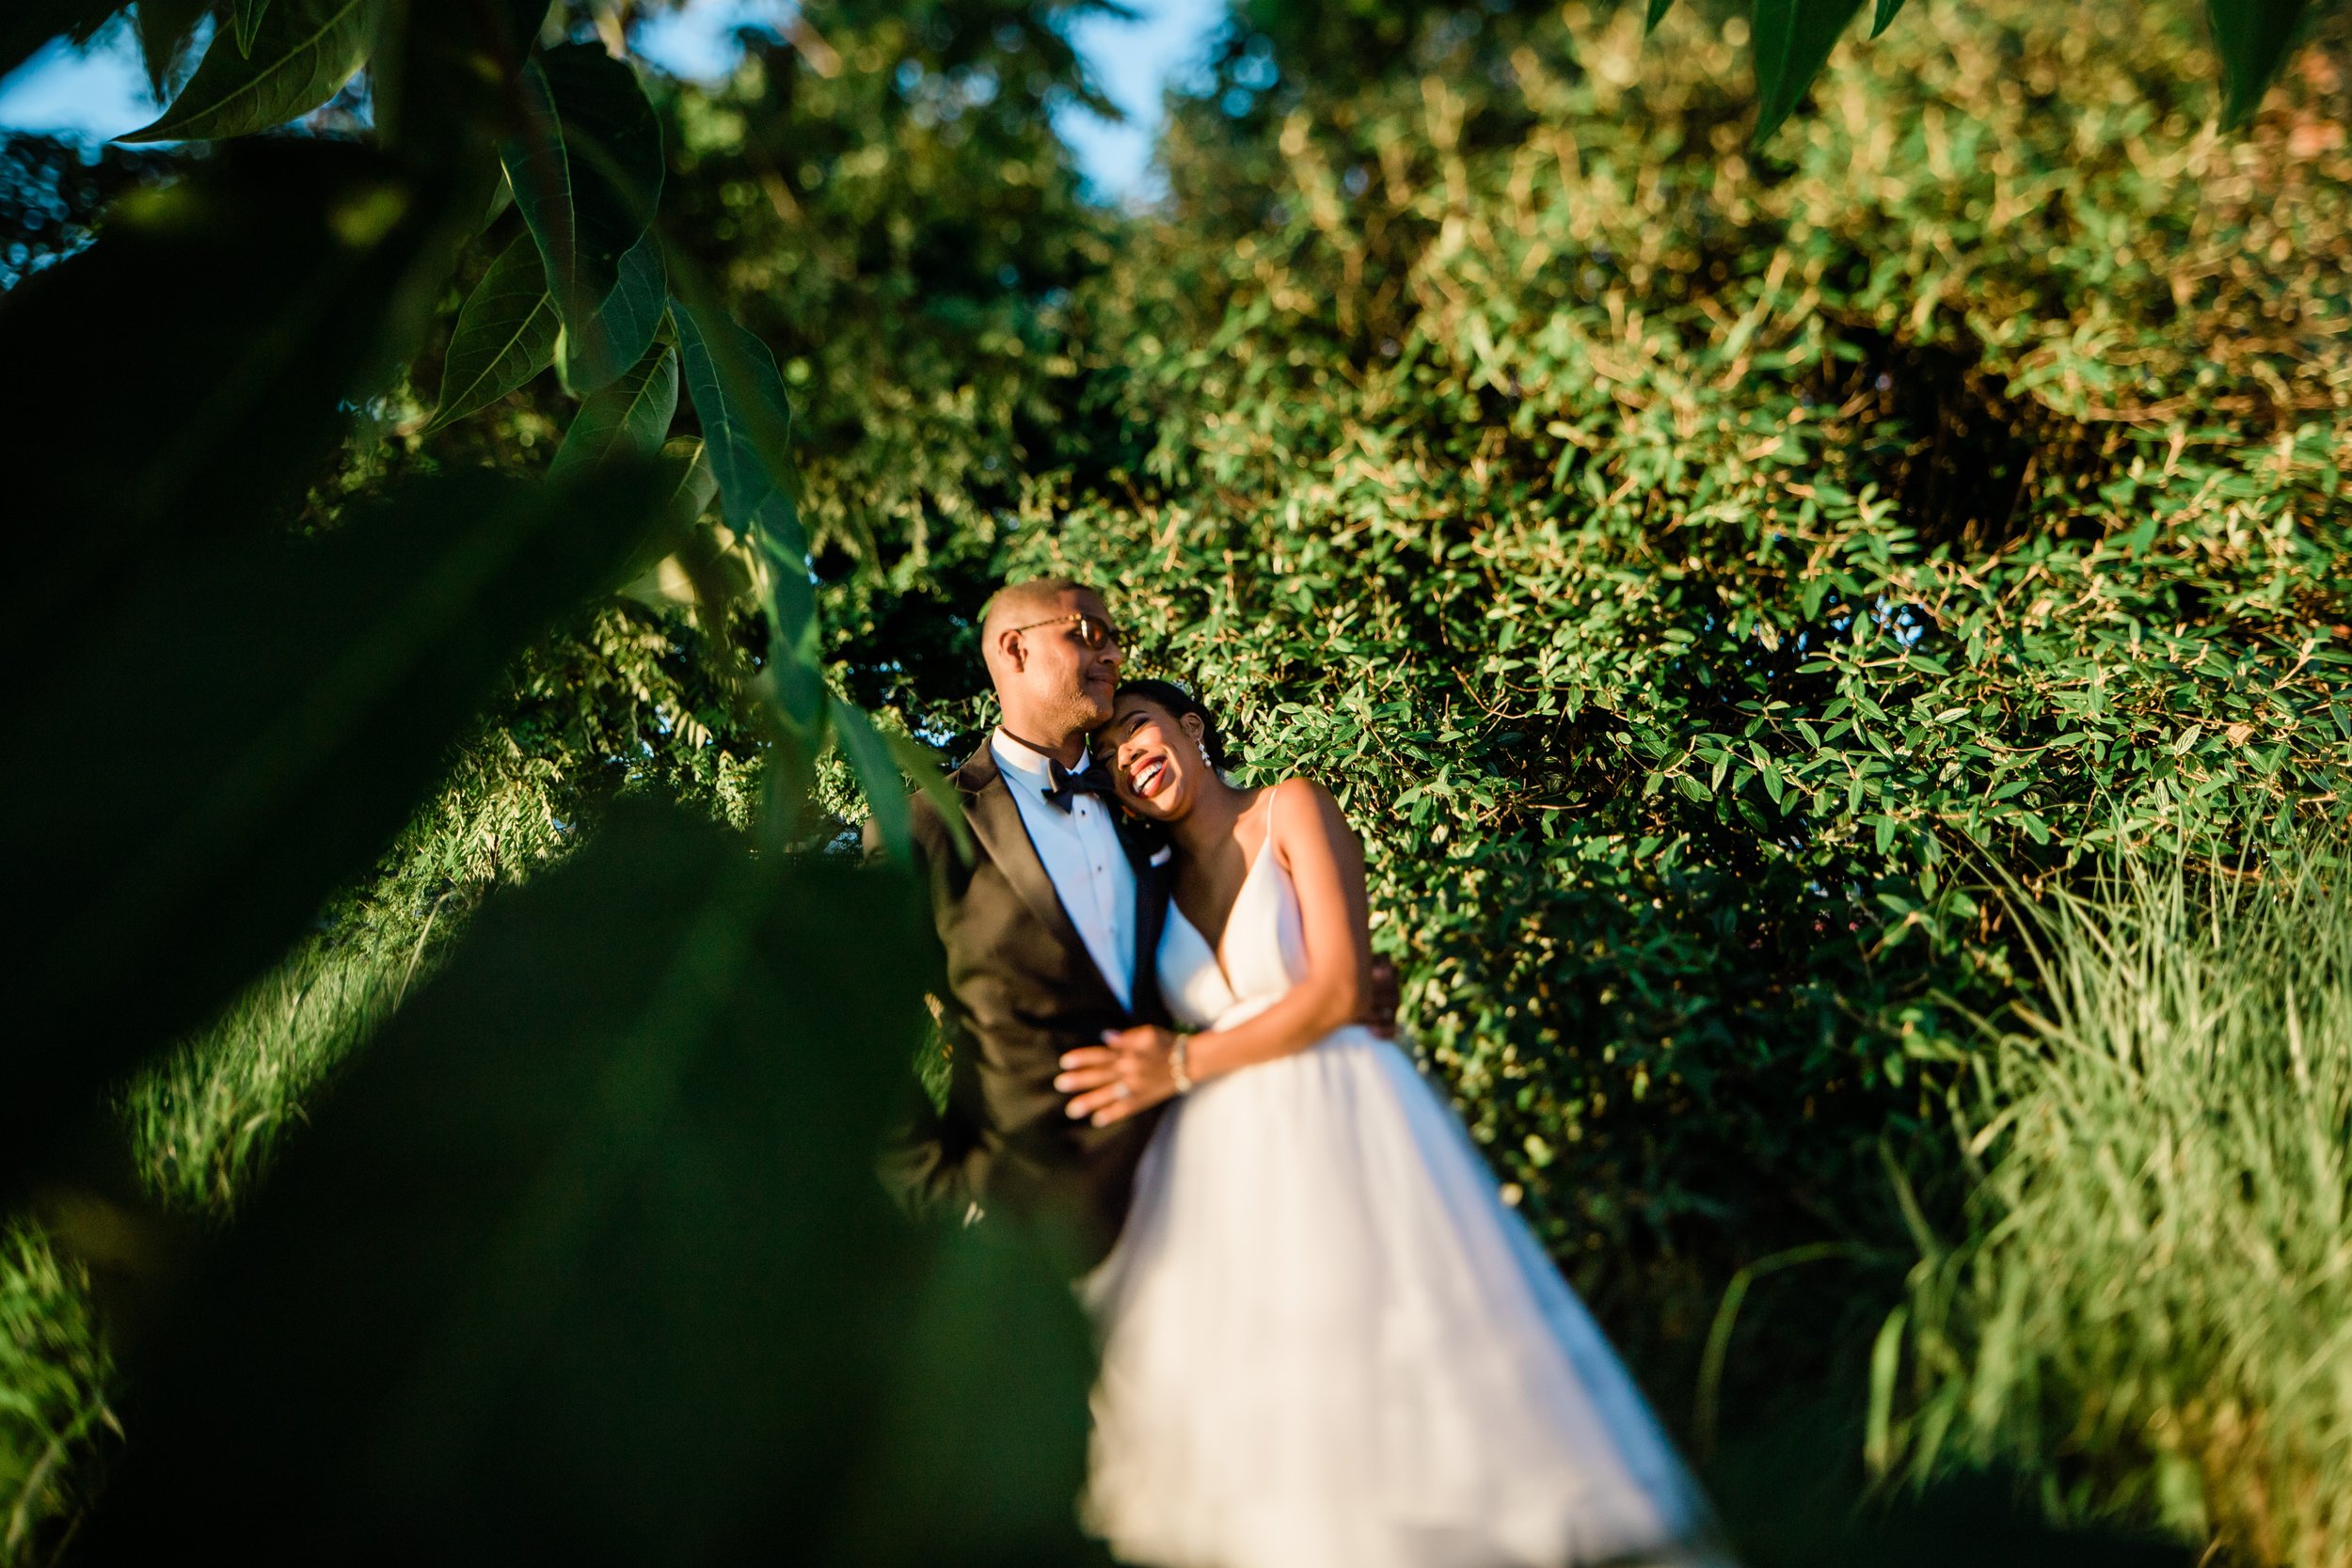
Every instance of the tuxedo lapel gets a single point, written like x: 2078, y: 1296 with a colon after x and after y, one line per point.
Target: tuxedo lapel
x: 995, y: 818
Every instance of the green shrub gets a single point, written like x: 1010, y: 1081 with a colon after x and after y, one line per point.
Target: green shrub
x: 1687, y: 564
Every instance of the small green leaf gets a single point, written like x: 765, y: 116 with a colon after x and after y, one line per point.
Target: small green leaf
x: 627, y: 418
x: 249, y: 22
x: 2253, y: 38
x: 1793, y: 41
x: 1658, y: 9
x: 617, y: 333
x: 1886, y: 9
x: 505, y: 335
x: 302, y: 54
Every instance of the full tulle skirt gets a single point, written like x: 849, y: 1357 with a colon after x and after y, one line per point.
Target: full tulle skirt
x: 1328, y: 1343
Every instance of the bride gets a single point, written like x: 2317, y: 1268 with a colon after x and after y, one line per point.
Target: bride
x: 1326, y: 1342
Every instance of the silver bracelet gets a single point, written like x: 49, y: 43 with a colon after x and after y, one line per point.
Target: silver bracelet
x: 1179, y: 1064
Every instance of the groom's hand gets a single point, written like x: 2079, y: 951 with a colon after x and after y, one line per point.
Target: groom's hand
x: 1128, y: 1072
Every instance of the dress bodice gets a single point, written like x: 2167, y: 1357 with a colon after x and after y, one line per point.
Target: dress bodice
x: 1261, y: 956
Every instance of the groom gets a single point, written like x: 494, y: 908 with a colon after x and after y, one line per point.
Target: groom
x: 1046, y: 939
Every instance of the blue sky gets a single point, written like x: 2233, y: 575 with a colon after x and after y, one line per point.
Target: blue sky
x: 101, y: 91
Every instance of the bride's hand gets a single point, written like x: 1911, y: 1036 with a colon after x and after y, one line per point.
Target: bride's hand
x: 1128, y: 1072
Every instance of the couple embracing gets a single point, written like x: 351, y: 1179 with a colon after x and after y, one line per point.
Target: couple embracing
x: 1326, y: 1341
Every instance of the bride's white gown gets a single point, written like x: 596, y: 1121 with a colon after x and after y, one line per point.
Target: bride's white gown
x: 1327, y: 1341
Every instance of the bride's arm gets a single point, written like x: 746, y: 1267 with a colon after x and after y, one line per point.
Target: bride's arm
x: 1326, y: 867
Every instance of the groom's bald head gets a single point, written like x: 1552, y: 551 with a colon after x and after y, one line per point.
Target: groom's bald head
x: 1054, y: 658
x: 1032, y: 599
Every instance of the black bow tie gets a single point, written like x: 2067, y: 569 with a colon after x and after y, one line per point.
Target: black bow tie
x: 1067, y: 786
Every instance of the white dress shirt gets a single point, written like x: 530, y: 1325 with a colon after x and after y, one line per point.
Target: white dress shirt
x: 1083, y: 857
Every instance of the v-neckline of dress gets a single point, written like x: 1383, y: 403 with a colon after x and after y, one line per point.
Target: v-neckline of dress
x: 1217, y: 948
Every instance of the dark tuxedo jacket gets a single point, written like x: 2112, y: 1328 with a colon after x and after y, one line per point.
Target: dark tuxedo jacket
x: 1017, y: 989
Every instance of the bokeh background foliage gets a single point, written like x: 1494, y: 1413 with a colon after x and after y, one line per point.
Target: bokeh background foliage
x: 1723, y: 582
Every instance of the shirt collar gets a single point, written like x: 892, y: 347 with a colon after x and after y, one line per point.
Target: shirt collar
x: 1027, y: 764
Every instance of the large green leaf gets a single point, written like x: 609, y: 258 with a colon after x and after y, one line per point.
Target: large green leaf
x: 1793, y: 41
x: 616, y: 334
x: 262, y: 296
x: 747, y: 420
x: 165, y: 29
x: 1657, y: 13
x: 584, y: 1262
x: 746, y: 415
x: 301, y: 56
x: 586, y: 167
x: 1884, y: 14
x: 277, y: 711
x: 2254, y: 36
x: 629, y: 417
x: 505, y: 335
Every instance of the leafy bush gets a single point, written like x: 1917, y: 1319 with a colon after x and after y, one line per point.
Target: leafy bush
x: 1691, y: 566
x: 2148, y: 1311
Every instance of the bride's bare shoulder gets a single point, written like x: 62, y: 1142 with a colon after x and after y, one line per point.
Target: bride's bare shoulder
x: 1299, y: 804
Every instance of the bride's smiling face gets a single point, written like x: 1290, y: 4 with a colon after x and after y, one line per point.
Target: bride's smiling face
x: 1155, y: 757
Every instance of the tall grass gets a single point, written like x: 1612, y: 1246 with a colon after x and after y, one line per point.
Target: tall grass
x: 54, y: 1371
x: 202, y: 1123
x: 2154, y: 1309
x: 201, y: 1126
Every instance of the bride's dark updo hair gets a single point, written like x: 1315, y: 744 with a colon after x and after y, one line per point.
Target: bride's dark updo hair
x: 1178, y: 702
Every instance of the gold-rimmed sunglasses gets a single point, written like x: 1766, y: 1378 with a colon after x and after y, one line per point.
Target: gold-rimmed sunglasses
x: 1093, y: 631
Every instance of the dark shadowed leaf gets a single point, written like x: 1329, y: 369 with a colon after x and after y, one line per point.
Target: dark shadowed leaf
x: 2253, y: 37
x: 505, y: 334
x: 226, y: 324
x: 616, y: 334
x: 997, y: 1459
x: 585, y: 1261
x: 301, y: 56
x: 1793, y: 41
x: 1884, y: 14
x: 697, y: 486
x: 586, y: 168
x: 250, y: 14
x: 282, y: 705
x: 627, y: 418
x: 165, y: 28
x: 1658, y: 9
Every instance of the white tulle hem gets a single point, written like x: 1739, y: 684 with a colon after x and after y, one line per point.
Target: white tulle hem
x: 1328, y: 1343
